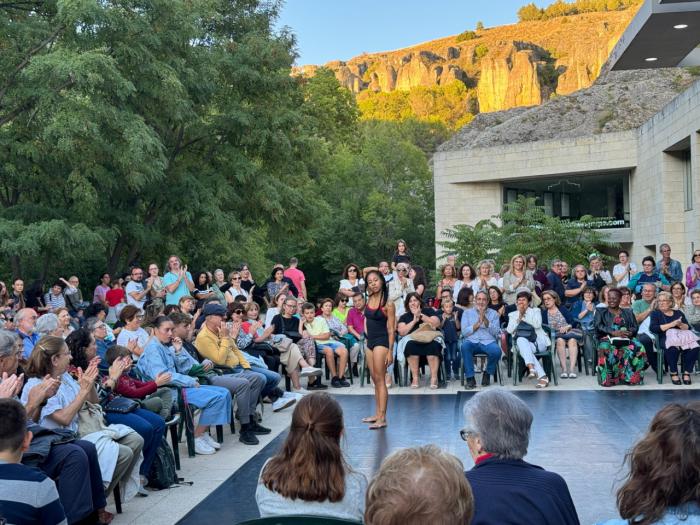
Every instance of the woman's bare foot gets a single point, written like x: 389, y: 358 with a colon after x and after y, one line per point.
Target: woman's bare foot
x: 380, y: 423
x: 370, y: 419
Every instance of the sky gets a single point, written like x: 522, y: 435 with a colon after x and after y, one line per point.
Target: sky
x: 341, y: 29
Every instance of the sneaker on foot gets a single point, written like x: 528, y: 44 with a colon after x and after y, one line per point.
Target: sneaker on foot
x: 172, y: 420
x: 211, y: 441
x: 300, y: 392
x: 202, y: 447
x: 248, y: 438
x: 310, y: 371
x: 282, y: 403
x: 335, y: 383
x: 344, y: 382
x: 258, y: 429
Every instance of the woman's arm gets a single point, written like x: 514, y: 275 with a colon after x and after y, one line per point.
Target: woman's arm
x: 390, y: 323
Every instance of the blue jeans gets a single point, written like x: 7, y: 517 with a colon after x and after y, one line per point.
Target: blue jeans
x: 149, y: 426
x: 491, y: 350
x: 452, y: 357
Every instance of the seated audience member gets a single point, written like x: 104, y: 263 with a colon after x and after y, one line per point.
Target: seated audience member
x: 621, y: 357
x: 417, y: 275
x: 47, y: 324
x: 132, y: 336
x: 236, y: 288
x: 399, y: 287
x: 27, y: 496
x: 678, y: 295
x: 481, y: 329
x: 642, y: 309
x: 340, y: 307
x: 277, y: 302
x: 52, y: 357
x: 669, y: 268
x: 17, y: 299
x: 484, y: 277
x: 72, y: 465
x: 624, y: 269
x: 416, y: 486
x: 339, y: 331
x: 692, y: 312
x: 54, y: 299
x: 187, y: 305
x: 164, y: 353
x: 625, y: 297
x: 73, y: 295
x: 450, y: 325
x: 116, y: 299
x: 417, y: 314
x: 554, y: 278
x: 202, y: 290
x: 465, y: 279
x: 662, y: 485
x: 355, y: 324
x: 135, y: 291
x: 583, y: 313
x: 465, y: 298
x: 219, y: 287
x: 351, y: 282
x: 448, y: 278
x: 675, y: 338
x: 309, y: 475
x: 98, y: 329
x: 149, y: 426
x: 518, y: 276
x: 64, y: 322
x: 576, y: 285
x: 524, y: 324
x: 648, y: 275
x: 692, y: 273
x: 317, y: 328
x: 497, y: 432
x: 566, y: 334
x: 597, y: 275
x: 153, y: 395
x: 25, y: 320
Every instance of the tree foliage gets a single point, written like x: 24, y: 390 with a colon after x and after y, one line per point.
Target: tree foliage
x: 524, y: 228
x: 559, y: 8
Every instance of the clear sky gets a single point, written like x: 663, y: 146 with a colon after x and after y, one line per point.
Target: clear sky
x: 341, y: 29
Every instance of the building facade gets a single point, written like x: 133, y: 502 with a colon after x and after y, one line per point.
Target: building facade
x: 645, y: 181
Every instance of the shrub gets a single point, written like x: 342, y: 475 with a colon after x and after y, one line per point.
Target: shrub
x: 467, y: 35
x: 480, y: 51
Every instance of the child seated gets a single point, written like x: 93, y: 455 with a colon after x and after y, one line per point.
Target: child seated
x: 153, y: 395
x: 27, y: 496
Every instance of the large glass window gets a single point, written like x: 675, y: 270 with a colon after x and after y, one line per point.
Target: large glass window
x: 570, y: 197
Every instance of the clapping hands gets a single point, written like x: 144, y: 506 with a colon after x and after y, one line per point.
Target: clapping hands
x: 11, y: 386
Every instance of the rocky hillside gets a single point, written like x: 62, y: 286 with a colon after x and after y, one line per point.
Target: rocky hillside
x: 521, y: 64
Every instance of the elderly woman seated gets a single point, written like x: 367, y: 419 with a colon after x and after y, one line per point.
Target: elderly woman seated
x: 507, y: 489
x: 675, y: 338
x: 621, y: 357
x: 525, y: 325
x: 566, y: 336
x: 418, y: 316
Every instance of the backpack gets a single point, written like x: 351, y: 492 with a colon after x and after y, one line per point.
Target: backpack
x: 163, y: 474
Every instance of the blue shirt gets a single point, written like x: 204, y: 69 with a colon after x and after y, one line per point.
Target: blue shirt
x: 482, y: 335
x: 688, y: 514
x: 158, y: 358
x: 181, y: 290
x: 28, y: 496
x: 28, y: 341
x: 674, y: 271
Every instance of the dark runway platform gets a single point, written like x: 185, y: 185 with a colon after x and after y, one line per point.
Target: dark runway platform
x: 582, y: 435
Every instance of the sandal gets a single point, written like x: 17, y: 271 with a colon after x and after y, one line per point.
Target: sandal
x: 686, y: 379
x: 415, y: 385
x: 675, y: 379
x: 572, y: 375
x: 433, y: 386
x: 564, y: 375
x: 377, y: 426
x: 531, y: 373
x: 542, y: 382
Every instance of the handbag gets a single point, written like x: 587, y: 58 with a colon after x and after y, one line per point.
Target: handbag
x: 425, y: 334
x: 284, y: 343
x: 526, y: 330
x: 120, y: 405
x: 90, y: 419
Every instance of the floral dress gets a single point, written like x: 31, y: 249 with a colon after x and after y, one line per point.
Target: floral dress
x: 621, y: 364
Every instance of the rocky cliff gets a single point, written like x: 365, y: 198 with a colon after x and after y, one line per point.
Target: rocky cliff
x: 521, y: 64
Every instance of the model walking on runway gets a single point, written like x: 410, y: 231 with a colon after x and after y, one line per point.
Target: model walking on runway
x: 380, y: 324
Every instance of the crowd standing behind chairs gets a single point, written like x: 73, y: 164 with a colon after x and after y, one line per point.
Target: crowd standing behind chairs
x: 172, y: 342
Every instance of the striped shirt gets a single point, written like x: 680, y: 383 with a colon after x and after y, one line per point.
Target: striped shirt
x: 28, y: 496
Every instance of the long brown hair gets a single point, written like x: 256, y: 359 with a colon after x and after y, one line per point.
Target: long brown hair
x: 664, y: 468
x: 40, y: 361
x: 310, y: 466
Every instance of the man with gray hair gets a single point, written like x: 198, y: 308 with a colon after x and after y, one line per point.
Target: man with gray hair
x: 47, y: 324
x: 25, y: 321
x: 642, y: 309
x: 554, y: 277
x: 507, y: 489
x: 669, y: 268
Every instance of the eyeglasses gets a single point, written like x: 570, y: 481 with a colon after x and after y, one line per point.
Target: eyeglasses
x: 238, y: 312
x: 235, y: 278
x: 354, y: 270
x: 466, y: 434
x: 343, y: 300
x: 291, y: 305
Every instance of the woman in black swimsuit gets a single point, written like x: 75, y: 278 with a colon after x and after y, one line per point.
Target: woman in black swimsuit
x: 380, y: 322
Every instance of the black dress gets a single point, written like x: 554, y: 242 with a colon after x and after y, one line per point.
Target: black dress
x: 414, y: 348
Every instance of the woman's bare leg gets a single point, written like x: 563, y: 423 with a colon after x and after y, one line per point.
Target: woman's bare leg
x: 413, y: 363
x: 378, y: 357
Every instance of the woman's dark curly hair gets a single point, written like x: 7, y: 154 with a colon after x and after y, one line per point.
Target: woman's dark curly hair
x: 663, y: 466
x: 77, y: 342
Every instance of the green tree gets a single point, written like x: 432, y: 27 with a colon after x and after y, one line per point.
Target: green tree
x: 530, y: 12
x: 471, y: 243
x: 479, y: 26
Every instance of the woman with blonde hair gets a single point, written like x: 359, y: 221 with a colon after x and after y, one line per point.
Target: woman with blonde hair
x: 484, y: 277
x: 518, y: 276
x: 309, y: 475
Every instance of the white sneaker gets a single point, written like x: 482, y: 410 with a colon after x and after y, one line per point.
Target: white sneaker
x: 300, y: 392
x: 282, y: 403
x: 211, y: 441
x: 310, y: 371
x: 202, y: 447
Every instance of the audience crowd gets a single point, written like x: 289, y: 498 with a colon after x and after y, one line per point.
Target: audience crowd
x: 89, y: 387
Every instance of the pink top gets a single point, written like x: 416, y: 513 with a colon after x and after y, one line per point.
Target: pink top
x: 356, y: 319
x: 297, y: 277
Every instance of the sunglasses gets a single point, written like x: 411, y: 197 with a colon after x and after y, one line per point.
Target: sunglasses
x: 238, y: 312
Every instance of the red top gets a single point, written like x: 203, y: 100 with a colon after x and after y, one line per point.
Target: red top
x: 115, y: 296
x: 483, y: 457
x: 130, y: 387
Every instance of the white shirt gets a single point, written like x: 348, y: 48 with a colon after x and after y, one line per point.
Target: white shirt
x: 131, y: 287
x: 129, y: 335
x: 618, y: 269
